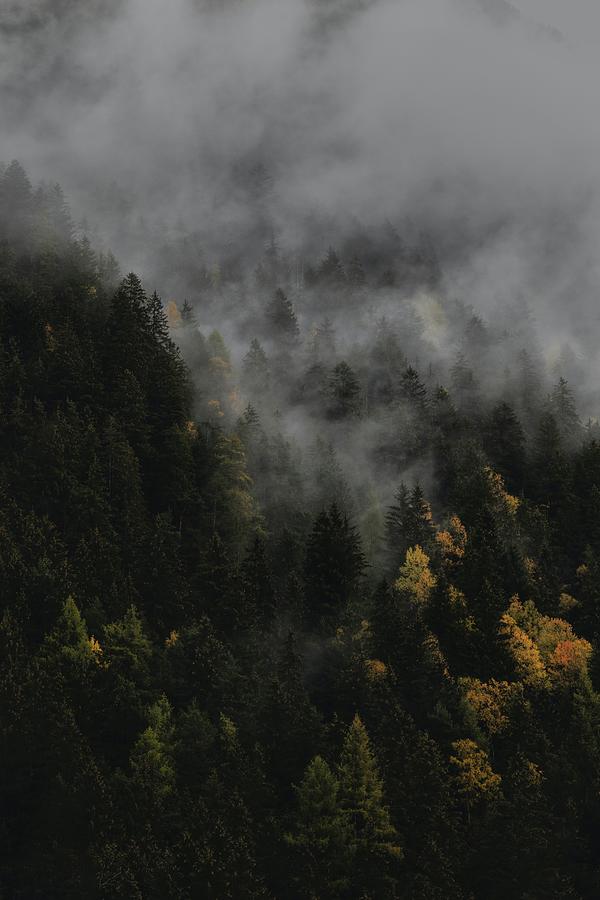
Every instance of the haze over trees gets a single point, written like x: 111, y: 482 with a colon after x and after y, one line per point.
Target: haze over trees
x: 299, y: 451
x: 300, y: 617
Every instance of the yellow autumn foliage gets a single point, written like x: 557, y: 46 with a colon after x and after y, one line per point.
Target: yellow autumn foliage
x: 524, y: 652
x: 97, y: 652
x: 566, y: 603
x: 415, y: 577
x: 543, y: 648
x: 452, y: 541
x: 375, y: 669
x: 473, y: 775
x: 507, y: 502
x: 533, y: 774
x: 490, y: 702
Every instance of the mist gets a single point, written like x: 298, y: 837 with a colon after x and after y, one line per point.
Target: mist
x: 300, y: 449
x: 192, y: 133
x: 463, y: 114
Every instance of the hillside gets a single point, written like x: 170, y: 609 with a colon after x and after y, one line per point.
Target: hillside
x: 291, y: 606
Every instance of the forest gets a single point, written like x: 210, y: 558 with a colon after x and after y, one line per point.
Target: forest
x: 299, y: 575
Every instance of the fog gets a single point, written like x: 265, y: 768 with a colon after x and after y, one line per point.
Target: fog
x: 450, y: 110
x: 313, y: 123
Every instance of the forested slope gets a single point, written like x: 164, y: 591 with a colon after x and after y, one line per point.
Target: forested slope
x: 233, y: 666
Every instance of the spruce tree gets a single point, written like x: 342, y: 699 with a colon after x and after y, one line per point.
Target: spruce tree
x: 282, y: 318
x: 333, y: 566
x: 322, y: 837
x: 344, y: 392
x: 412, y: 389
x: 504, y: 442
x: 378, y: 852
x: 256, y: 369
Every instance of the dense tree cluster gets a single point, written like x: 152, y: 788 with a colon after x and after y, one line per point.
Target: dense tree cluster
x: 235, y: 666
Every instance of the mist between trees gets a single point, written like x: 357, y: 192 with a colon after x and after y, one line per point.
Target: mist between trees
x: 261, y: 605
x: 300, y: 519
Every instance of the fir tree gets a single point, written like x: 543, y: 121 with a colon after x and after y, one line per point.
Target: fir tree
x: 344, y: 392
x: 378, y: 853
x: 412, y: 389
x: 322, y: 836
x: 334, y: 564
x: 256, y: 369
x: 282, y: 318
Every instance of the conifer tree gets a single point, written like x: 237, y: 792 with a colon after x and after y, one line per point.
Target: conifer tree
x: 257, y: 583
x: 151, y: 758
x: 378, y: 852
x: 344, y: 392
x: 256, y: 369
x: 322, y: 345
x: 334, y: 564
x: 562, y: 407
x: 504, y: 442
x: 331, y: 271
x: 356, y: 273
x: 412, y: 389
x: 408, y: 523
x: 291, y: 725
x: 322, y: 837
x: 188, y: 315
x: 282, y: 318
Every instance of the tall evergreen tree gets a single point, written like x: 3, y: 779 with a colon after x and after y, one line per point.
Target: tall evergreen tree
x: 334, y: 564
x: 282, y: 318
x: 344, y: 392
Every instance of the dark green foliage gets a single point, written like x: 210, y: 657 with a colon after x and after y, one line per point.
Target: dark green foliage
x: 408, y: 522
x: 333, y: 566
x: 204, y: 690
x: 504, y: 443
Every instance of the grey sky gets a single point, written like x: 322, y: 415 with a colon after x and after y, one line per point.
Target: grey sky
x: 578, y: 20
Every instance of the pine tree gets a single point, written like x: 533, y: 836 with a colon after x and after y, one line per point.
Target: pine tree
x: 256, y: 369
x: 290, y: 725
x: 331, y: 271
x: 257, y: 583
x: 129, y: 331
x: 151, y: 761
x: 464, y: 387
x: 159, y: 325
x: 334, y: 564
x: 504, y: 443
x: 562, y: 407
x: 378, y: 853
x: 322, y: 345
x: 282, y: 318
x: 408, y: 523
x: 16, y: 203
x: 322, y: 836
x: 344, y: 392
x: 412, y: 389
x: 188, y: 315
x: 356, y: 273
